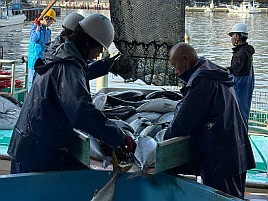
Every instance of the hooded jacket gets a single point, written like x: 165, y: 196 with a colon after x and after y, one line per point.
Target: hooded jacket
x: 58, y: 102
x: 209, y: 113
x: 242, y: 70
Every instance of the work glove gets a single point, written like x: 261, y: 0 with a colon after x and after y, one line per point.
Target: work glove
x: 130, y: 144
x: 110, y: 61
x: 37, y: 22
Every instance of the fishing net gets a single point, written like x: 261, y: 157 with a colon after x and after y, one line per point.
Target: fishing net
x: 145, y: 30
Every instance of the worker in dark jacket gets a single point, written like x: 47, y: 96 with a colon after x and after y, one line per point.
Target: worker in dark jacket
x: 209, y: 113
x: 241, y: 68
x: 96, y: 68
x: 60, y: 101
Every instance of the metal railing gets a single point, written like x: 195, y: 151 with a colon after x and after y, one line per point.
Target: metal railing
x: 13, y: 76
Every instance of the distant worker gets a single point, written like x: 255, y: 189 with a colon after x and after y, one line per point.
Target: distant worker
x: 242, y: 68
x: 187, y: 36
x: 40, y: 34
x: 95, y: 68
x: 210, y: 115
x: 60, y: 101
x: 68, y: 24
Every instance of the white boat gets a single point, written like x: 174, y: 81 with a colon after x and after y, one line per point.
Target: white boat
x: 244, y: 7
x: 7, y: 18
x: 210, y: 8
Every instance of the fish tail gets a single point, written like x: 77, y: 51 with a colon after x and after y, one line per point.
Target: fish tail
x: 119, y: 170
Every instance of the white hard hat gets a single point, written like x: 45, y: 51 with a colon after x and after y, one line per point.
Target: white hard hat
x: 100, y: 28
x: 72, y: 20
x: 239, y: 28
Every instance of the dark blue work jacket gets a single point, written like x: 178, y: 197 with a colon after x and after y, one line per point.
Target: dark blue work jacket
x: 209, y: 113
x: 58, y: 101
x: 242, y: 70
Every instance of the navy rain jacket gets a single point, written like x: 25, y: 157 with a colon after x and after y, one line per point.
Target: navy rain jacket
x: 209, y: 113
x: 58, y: 102
x: 242, y: 70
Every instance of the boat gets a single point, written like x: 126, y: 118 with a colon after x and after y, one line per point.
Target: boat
x: 11, y: 15
x: 245, y: 8
x: 209, y: 9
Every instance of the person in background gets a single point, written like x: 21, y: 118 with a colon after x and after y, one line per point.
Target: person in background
x: 59, y: 101
x: 40, y: 34
x: 210, y: 115
x: 96, y: 68
x: 241, y: 68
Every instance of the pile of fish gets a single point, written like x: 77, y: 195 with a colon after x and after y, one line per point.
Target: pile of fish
x: 143, y: 116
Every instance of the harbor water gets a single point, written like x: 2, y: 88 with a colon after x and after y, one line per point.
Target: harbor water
x: 208, y: 33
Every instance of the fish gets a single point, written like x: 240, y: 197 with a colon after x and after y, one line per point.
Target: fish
x: 160, y: 105
x: 165, y: 118
x: 151, y: 130
x: 151, y: 116
x: 117, y: 101
x: 172, y: 95
x: 145, y: 152
x: 95, y: 149
x: 119, y: 112
x: 123, y: 125
x: 132, y: 95
x: 159, y: 137
x: 100, y: 101
x: 139, y: 124
x: 107, y: 193
x: 10, y: 110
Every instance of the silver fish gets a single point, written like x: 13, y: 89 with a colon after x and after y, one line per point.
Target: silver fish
x: 151, y: 116
x: 145, y: 152
x: 165, y: 118
x: 151, y: 130
x: 139, y: 124
x: 100, y: 101
x: 161, y: 105
x: 159, y: 137
x: 108, y: 191
x: 95, y: 150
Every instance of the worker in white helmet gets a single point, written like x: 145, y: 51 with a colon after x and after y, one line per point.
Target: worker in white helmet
x: 95, y: 68
x: 59, y: 101
x: 242, y: 68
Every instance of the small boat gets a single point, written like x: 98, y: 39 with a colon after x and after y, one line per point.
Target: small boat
x: 245, y: 8
x: 9, y: 16
x: 209, y: 9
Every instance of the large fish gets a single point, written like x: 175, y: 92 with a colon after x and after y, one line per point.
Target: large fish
x: 172, y: 95
x: 151, y: 130
x: 100, y: 101
x: 165, y: 118
x: 161, y: 105
x: 139, y: 124
x: 120, y: 112
x: 132, y: 95
x: 145, y: 152
x: 9, y: 111
x: 108, y: 191
x: 151, y: 116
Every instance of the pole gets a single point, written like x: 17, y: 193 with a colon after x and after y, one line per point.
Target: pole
x: 46, y: 9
